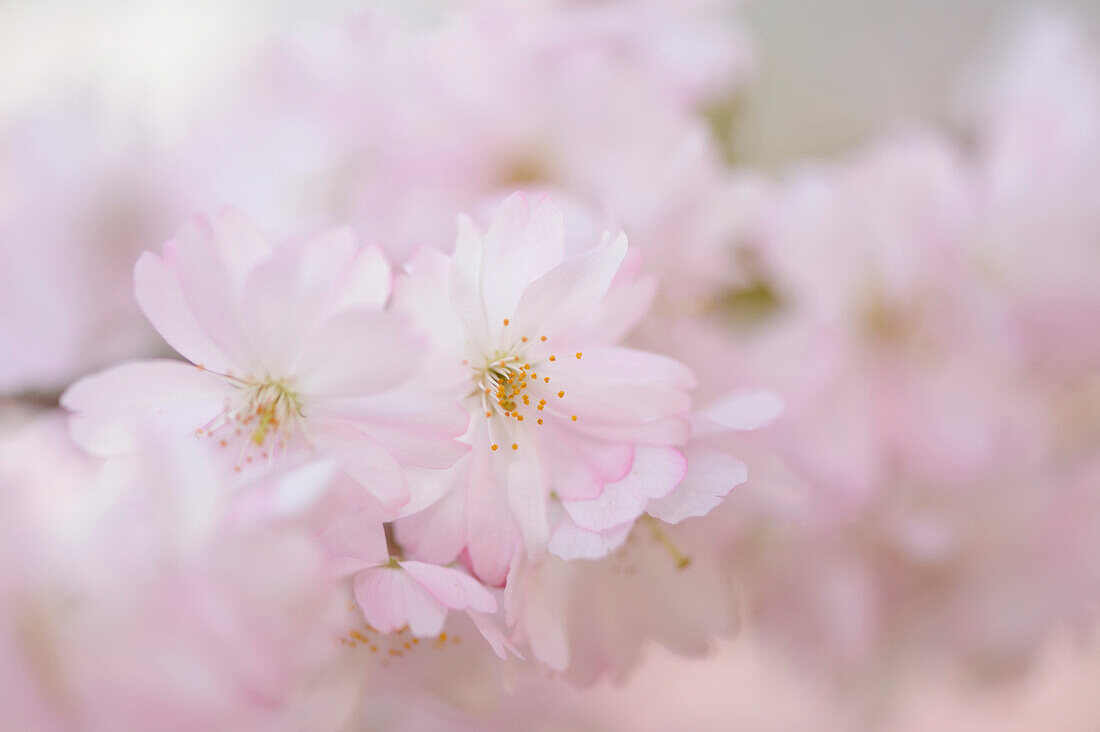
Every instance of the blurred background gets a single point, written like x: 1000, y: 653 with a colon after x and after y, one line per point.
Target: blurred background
x: 909, y: 226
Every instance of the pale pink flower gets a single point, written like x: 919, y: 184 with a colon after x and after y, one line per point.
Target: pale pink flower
x: 396, y: 595
x: 290, y: 352
x: 131, y: 599
x: 558, y: 411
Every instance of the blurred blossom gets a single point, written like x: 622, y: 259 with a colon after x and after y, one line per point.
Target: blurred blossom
x: 80, y: 198
x: 130, y: 599
x: 941, y: 424
x: 542, y: 96
x: 466, y: 460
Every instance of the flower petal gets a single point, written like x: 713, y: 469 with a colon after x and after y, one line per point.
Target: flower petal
x: 368, y: 280
x: 452, y: 588
x: 161, y: 299
x: 391, y: 599
x: 365, y: 463
x: 491, y: 533
x: 464, y: 284
x: 520, y: 246
x: 113, y: 408
x: 357, y: 353
x: 527, y: 499
x: 655, y: 473
x: 572, y: 542
x: 354, y: 542
x: 711, y: 475
x: 565, y: 295
x: 739, y: 410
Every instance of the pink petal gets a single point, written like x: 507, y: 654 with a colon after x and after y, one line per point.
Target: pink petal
x: 617, y: 386
x: 364, y: 462
x: 655, y: 473
x: 113, y: 408
x: 391, y: 599
x: 566, y: 294
x: 519, y: 248
x: 491, y: 533
x: 438, y: 533
x: 287, y: 295
x: 357, y: 353
x: 527, y: 499
x: 572, y: 542
x: 355, y: 541
x: 212, y: 292
x: 367, y: 281
x: 739, y: 410
x: 579, y: 466
x: 711, y: 475
x: 416, y: 427
x: 621, y: 309
x: 464, y: 284
x: 671, y: 431
x: 422, y: 294
x: 161, y: 298
x: 545, y: 598
x: 452, y: 588
x: 492, y: 633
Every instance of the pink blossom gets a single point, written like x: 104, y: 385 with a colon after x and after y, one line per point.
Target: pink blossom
x: 557, y: 411
x: 130, y: 599
x: 397, y: 595
x: 290, y: 352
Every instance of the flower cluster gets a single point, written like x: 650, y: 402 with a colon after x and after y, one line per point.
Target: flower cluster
x: 441, y: 392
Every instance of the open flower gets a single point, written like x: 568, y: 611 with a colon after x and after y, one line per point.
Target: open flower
x: 291, y: 351
x: 557, y: 411
x: 398, y: 595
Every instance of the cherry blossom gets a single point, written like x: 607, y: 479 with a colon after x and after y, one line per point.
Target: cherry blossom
x: 557, y: 412
x: 291, y: 352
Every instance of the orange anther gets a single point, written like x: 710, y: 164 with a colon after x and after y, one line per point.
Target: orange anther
x: 573, y: 417
x: 523, y: 339
x: 515, y: 446
x: 540, y: 420
x: 553, y: 358
x: 578, y: 354
x: 561, y: 394
x: 506, y: 321
x: 494, y: 446
x: 542, y: 338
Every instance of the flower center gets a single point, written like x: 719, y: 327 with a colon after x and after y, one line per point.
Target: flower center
x: 510, y: 387
x: 265, y: 416
x: 503, y: 383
